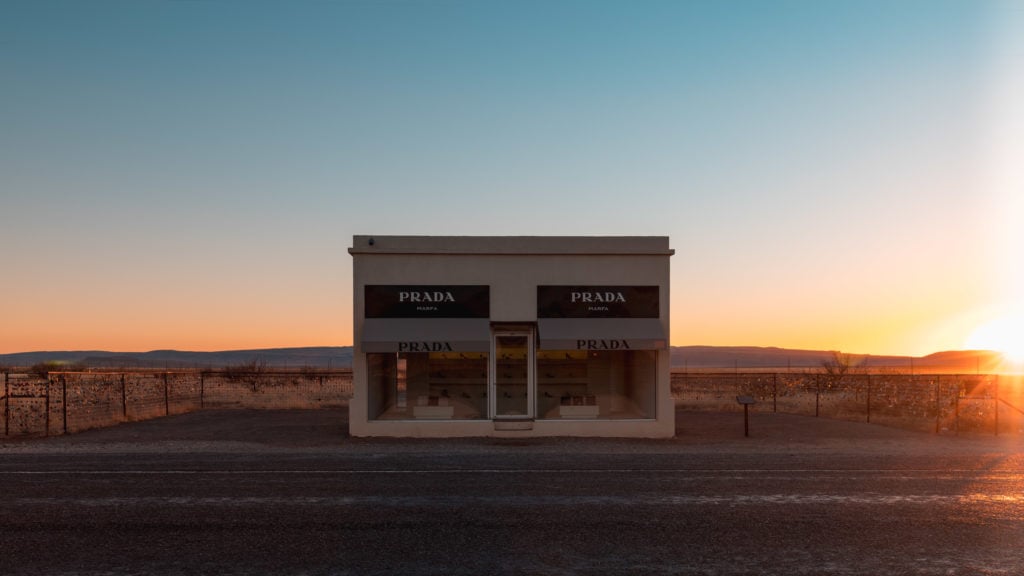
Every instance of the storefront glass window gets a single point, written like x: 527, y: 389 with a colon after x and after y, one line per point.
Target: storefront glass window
x: 427, y: 385
x: 584, y: 384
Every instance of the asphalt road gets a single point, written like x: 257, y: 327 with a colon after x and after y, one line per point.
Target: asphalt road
x: 845, y: 499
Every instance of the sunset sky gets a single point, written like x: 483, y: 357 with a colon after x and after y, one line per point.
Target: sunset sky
x: 189, y: 174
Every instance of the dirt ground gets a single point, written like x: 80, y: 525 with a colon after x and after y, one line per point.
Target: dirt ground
x: 327, y: 430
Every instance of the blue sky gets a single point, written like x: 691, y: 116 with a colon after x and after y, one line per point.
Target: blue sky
x: 824, y: 169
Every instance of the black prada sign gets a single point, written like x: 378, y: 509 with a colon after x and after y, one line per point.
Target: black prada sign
x: 428, y: 346
x: 602, y: 344
x: 381, y: 301
x: 597, y: 302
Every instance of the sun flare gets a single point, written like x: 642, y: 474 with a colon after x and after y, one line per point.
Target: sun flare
x: 1004, y: 335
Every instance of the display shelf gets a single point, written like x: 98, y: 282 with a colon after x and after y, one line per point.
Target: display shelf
x: 441, y: 383
x: 436, y: 412
x: 578, y: 411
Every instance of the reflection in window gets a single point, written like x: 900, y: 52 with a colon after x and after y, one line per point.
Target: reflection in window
x: 596, y: 384
x: 511, y: 378
x: 422, y: 385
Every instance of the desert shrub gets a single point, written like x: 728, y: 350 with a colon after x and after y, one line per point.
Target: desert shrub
x: 310, y: 373
x: 249, y: 372
x: 43, y: 369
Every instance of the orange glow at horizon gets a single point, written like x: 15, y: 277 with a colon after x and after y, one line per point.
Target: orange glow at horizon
x: 893, y: 320
x: 219, y: 327
x: 1004, y: 334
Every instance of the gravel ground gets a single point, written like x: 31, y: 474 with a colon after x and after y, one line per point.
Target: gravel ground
x: 327, y: 430
x: 289, y: 492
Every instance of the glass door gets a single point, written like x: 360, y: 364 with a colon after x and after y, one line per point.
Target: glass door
x: 512, y: 386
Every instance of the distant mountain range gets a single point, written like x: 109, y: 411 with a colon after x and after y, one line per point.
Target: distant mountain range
x: 752, y: 357
x: 313, y: 357
x: 686, y: 357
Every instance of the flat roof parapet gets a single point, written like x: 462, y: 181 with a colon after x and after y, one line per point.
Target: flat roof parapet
x: 514, y: 245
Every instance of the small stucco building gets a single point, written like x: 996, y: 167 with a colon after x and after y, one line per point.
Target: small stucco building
x: 511, y: 336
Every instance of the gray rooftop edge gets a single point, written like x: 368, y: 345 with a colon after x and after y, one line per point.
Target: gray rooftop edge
x: 515, y: 245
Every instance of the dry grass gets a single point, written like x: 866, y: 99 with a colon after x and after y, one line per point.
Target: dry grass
x: 932, y: 402
x: 67, y: 402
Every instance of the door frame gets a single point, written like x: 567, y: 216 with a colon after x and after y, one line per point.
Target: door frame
x: 530, y: 332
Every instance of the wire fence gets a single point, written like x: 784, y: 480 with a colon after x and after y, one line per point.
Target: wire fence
x: 67, y: 402
x: 941, y: 403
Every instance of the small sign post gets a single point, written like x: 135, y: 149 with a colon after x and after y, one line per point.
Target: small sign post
x: 745, y: 401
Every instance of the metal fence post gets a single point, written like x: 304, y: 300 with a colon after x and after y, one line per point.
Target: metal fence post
x: 47, y: 405
x: 938, y: 406
x: 202, y: 391
x: 775, y: 391
x: 64, y: 400
x: 869, y: 398
x: 997, y: 405
x: 167, y: 399
x: 956, y: 408
x: 817, y: 394
x: 7, y: 404
x: 124, y: 399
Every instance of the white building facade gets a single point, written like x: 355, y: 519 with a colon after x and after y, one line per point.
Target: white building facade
x: 511, y: 336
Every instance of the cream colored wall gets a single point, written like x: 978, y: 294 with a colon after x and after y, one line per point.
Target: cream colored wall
x: 513, y: 279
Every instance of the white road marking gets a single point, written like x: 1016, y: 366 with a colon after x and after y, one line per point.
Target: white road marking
x: 774, y: 473
x: 526, y: 501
